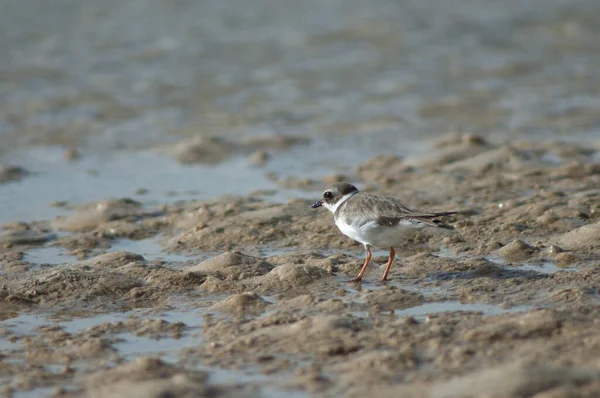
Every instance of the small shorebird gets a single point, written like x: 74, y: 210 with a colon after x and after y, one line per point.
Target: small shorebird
x: 374, y: 220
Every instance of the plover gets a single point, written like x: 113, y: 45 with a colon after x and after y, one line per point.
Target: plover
x: 374, y: 220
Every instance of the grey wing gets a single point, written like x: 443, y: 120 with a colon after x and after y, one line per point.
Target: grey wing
x: 390, y: 212
x: 375, y: 210
x: 367, y: 208
x: 416, y: 220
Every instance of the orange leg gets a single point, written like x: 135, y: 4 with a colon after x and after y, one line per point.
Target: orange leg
x: 364, y: 267
x: 389, y: 264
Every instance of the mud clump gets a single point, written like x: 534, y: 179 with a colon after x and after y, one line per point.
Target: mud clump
x: 112, y: 279
x: 141, y: 369
x: 259, y: 158
x: 90, y: 216
x: 383, y: 169
x: 448, y: 156
x: 249, y: 224
x: 330, y: 264
x: 586, y: 238
x: 291, y: 277
x: 566, y: 258
x: 212, y: 150
x: 453, y: 139
x: 392, y: 299
x: 149, y: 377
x: 114, y: 260
x: 307, y: 335
x: 522, y: 379
x: 424, y: 264
x: 208, y: 150
x: 69, y: 285
x: 504, y: 157
x: 245, y: 303
x: 233, y: 265
x: 25, y: 237
x: 517, y: 250
x: 12, y: 173
x: 311, y: 304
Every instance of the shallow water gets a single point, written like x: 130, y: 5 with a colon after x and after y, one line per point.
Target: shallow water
x: 149, y: 248
x: 52, y: 255
x: 116, y: 176
x: 451, y: 306
x: 424, y: 310
x: 547, y: 267
x: 35, y: 393
x: 129, y: 345
x: 544, y: 267
x: 155, y: 179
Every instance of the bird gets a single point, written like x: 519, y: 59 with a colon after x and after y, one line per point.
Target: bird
x: 374, y: 220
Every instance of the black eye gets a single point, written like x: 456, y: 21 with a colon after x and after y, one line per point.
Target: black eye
x: 328, y: 195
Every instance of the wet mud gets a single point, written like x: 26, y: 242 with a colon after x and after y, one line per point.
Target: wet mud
x: 259, y: 290
x: 158, y: 162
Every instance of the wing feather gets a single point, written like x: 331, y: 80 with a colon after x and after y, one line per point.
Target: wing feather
x: 367, y: 210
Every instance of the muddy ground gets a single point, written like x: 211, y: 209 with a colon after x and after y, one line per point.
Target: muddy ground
x: 507, y: 302
x: 158, y: 160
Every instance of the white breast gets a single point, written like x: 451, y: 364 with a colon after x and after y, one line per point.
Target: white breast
x: 373, y: 234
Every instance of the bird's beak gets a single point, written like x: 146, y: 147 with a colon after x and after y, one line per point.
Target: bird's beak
x: 317, y: 204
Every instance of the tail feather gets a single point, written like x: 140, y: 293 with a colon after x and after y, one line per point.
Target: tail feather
x: 444, y: 213
x: 429, y: 219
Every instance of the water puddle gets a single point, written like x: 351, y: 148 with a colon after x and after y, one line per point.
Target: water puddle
x: 20, y: 325
x: 155, y: 179
x: 444, y: 252
x: 79, y: 324
x: 51, y: 255
x: 422, y: 311
x: 545, y: 267
x: 151, y: 249
x: 25, y: 324
x: 229, y: 377
x: 167, y: 348
x: 129, y: 345
x: 35, y: 393
x: 96, y: 177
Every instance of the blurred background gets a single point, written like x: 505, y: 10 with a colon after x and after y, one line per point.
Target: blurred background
x: 164, y: 100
